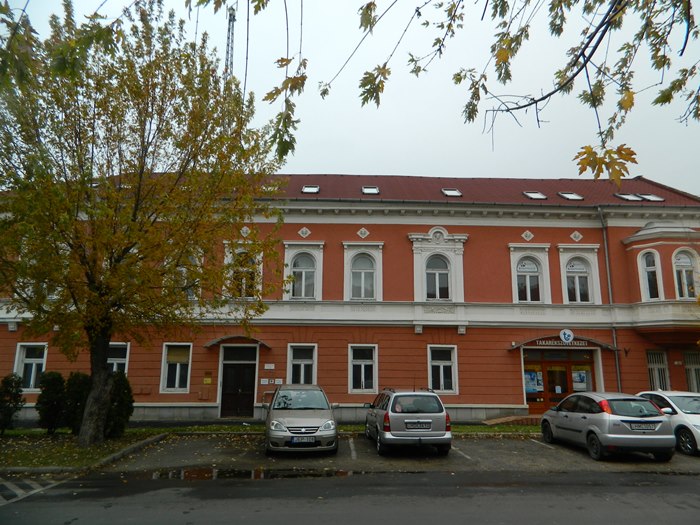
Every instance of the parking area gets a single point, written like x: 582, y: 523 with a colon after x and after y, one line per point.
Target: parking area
x: 214, y: 455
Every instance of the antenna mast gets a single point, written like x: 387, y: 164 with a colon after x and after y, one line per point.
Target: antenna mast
x: 228, y: 64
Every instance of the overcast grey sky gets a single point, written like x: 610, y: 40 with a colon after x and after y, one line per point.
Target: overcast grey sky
x: 418, y: 129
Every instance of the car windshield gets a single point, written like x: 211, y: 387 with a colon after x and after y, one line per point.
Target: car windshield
x: 687, y: 404
x: 416, y: 405
x: 633, y: 407
x: 301, y: 400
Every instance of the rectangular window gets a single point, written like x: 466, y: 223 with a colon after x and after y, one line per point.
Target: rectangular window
x: 176, y: 367
x: 363, y: 368
x: 692, y: 370
x: 31, y: 363
x: 442, y: 362
x: 302, y: 365
x: 117, y: 356
x: 658, y: 371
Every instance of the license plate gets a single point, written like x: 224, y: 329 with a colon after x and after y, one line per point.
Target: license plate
x: 303, y: 439
x: 418, y: 426
x: 642, y: 426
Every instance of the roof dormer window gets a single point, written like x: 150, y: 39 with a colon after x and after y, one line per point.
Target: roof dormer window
x: 651, y: 197
x: 570, y: 196
x: 370, y: 190
x: 535, y: 195
x: 311, y: 188
x: 451, y: 192
x: 628, y: 197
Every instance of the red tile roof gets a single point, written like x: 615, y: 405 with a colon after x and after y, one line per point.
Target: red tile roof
x: 503, y: 191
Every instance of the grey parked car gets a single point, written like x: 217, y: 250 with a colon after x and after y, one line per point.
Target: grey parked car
x: 609, y: 422
x: 408, y: 418
x: 685, y: 416
x: 299, y: 417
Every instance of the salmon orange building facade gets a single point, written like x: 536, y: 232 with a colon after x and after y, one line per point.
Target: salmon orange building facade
x: 502, y: 295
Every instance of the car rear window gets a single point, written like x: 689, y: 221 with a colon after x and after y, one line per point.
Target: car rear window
x: 633, y: 407
x: 411, y: 404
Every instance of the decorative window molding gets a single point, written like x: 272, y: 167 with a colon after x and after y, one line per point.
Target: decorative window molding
x: 650, y: 276
x: 539, y: 254
x: 685, y: 273
x: 442, y: 369
x: 244, y: 281
x: 572, y: 273
x: 314, y: 250
x: 438, y: 242
x: 362, y: 369
x: 30, y: 363
x: 176, y: 367
x: 301, y: 363
x: 374, y: 251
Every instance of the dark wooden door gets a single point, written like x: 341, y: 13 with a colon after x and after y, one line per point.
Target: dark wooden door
x: 238, y: 390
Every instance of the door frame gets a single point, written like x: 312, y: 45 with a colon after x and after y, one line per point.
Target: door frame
x: 220, y: 389
x: 596, y: 369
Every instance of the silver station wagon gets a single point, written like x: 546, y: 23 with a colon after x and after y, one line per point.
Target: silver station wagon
x: 408, y: 418
x: 610, y: 422
x: 299, y: 417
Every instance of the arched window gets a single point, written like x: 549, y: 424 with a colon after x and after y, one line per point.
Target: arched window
x: 363, y: 282
x: 304, y: 275
x: 651, y: 275
x: 437, y: 273
x: 577, y: 281
x: 685, y: 279
x: 528, y: 274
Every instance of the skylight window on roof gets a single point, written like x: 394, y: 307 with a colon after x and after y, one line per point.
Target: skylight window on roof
x: 570, y: 195
x: 370, y: 190
x: 536, y: 195
x: 451, y: 192
x: 311, y: 189
x: 651, y: 197
x: 628, y: 197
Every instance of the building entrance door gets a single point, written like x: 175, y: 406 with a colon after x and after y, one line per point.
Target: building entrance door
x: 238, y: 382
x: 550, y: 376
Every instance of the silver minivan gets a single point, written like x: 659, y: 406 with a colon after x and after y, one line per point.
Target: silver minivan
x: 408, y: 418
x: 609, y: 422
x: 299, y: 417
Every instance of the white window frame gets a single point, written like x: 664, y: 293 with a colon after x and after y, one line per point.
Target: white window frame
x: 315, y: 250
x: 540, y: 253
x: 291, y: 361
x: 375, y: 251
x: 164, y: 370
x: 589, y: 253
x: 114, y: 362
x: 438, y: 242
x: 693, y: 267
x: 692, y: 370
x: 21, y: 359
x: 231, y: 249
x: 643, y: 281
x: 373, y: 362
x: 433, y: 275
x: 657, y: 366
x: 453, y: 364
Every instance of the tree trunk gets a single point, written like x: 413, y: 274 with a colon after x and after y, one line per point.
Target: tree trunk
x: 92, y: 429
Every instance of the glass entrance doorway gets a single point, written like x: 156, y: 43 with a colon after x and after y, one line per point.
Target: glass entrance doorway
x: 551, y: 375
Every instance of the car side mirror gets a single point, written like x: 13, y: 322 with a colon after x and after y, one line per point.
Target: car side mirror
x: 668, y: 411
x: 367, y: 405
x: 266, y: 406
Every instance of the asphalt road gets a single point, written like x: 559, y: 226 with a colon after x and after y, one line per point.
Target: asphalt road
x: 227, y: 479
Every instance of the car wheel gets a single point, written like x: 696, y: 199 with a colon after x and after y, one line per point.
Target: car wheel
x: 547, y: 434
x: 685, y: 442
x: 664, y: 455
x: 595, y: 447
x: 382, y: 449
x: 443, y: 450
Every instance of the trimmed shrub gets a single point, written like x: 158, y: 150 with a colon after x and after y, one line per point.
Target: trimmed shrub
x: 77, y: 390
x: 51, y: 401
x: 11, y: 400
x: 121, y: 406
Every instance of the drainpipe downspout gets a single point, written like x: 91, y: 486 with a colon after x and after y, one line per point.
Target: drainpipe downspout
x: 604, y: 226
